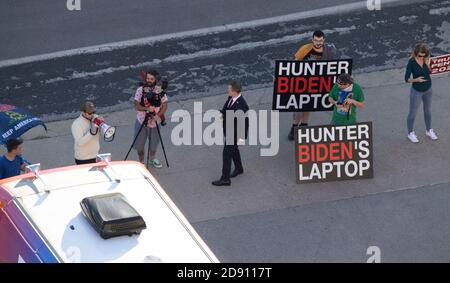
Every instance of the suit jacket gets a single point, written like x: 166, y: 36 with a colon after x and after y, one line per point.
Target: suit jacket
x: 239, y: 104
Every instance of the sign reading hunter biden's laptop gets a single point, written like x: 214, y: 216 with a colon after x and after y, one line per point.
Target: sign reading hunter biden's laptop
x: 333, y: 153
x: 303, y: 86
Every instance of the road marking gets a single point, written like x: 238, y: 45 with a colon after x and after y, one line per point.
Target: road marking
x: 440, y: 11
x: 195, y: 55
x: 360, y: 5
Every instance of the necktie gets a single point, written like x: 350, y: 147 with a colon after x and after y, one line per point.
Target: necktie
x: 230, y: 103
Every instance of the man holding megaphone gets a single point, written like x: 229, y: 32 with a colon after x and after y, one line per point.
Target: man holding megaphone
x: 86, y: 134
x: 108, y: 131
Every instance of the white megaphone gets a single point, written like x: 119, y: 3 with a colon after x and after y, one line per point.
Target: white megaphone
x: 108, y: 131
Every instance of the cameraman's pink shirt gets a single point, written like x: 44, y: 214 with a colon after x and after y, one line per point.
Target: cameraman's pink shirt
x: 141, y: 114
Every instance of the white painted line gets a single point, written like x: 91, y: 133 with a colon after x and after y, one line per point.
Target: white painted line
x: 440, y: 11
x: 198, y: 54
x: 344, y: 8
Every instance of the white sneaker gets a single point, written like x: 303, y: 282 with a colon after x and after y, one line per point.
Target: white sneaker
x: 412, y: 137
x: 431, y: 134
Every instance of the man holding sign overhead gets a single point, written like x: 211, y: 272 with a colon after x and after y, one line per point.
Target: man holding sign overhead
x: 316, y: 50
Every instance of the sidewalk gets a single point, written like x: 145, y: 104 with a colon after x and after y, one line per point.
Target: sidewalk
x: 269, y: 182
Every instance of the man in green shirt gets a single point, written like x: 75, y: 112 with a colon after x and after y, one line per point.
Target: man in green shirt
x: 346, y: 97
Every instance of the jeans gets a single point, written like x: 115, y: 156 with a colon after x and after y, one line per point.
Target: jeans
x: 414, y: 101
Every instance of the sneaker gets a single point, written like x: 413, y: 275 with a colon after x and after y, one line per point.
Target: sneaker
x: 431, y: 134
x: 412, y: 137
x: 155, y: 162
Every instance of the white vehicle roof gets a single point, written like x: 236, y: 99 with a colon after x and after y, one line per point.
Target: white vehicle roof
x: 57, y: 215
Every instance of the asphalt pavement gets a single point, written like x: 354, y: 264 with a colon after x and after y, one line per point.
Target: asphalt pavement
x: 45, y: 26
x: 264, y: 216
x: 200, y: 66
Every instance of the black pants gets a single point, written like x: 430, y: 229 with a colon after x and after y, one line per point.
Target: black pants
x: 230, y: 152
x: 87, y: 161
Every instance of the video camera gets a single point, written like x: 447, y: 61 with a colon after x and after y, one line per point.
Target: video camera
x: 154, y: 93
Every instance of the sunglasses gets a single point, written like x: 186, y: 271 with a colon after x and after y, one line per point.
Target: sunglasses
x: 421, y: 56
x: 92, y: 113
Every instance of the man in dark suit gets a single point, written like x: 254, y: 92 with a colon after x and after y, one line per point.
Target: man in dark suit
x: 234, y: 103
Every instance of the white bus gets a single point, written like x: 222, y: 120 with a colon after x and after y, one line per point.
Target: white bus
x: 42, y: 220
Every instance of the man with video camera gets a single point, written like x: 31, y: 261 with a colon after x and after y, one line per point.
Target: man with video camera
x: 150, y: 101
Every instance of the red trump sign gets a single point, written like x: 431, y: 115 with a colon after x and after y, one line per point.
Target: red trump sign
x: 440, y: 64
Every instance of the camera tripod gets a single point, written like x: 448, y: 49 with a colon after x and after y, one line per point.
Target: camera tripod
x: 148, y: 115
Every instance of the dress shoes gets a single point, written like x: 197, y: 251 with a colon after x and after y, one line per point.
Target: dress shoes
x: 221, y: 182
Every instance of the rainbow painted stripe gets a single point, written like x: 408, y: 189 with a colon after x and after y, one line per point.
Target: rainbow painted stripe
x: 19, y: 240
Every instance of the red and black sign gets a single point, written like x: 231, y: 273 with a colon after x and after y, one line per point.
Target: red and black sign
x: 440, y: 64
x: 303, y: 86
x: 333, y: 153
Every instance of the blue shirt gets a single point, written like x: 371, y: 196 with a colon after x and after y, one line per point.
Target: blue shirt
x: 10, y: 168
